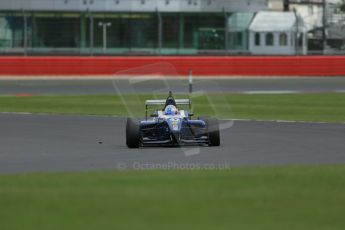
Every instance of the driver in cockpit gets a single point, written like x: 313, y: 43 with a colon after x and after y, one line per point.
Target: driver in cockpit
x: 171, y: 110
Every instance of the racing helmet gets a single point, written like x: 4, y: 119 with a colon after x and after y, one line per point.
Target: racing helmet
x: 170, y: 110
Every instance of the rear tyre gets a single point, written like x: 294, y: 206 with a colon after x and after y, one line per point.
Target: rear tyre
x: 213, y: 132
x: 132, y: 133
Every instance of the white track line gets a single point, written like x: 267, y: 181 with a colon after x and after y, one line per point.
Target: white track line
x: 235, y: 119
x: 271, y: 92
x: 287, y: 121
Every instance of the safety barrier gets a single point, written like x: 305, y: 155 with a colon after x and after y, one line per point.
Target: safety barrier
x: 201, y: 66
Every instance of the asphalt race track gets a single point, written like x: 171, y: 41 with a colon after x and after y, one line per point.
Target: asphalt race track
x: 40, y: 143
x: 53, y: 143
x: 235, y: 85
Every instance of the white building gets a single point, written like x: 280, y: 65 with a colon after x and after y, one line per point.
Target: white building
x: 279, y: 33
x: 311, y: 15
x: 275, y: 5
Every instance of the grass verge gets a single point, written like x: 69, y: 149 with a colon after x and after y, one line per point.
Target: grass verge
x: 317, y: 107
x: 242, y: 198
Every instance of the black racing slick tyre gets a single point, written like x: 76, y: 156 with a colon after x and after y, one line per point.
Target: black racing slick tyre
x: 213, y: 131
x: 132, y: 133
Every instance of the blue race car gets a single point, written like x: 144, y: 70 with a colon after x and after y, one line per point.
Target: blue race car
x: 170, y: 126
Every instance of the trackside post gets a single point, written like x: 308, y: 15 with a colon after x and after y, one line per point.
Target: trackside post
x: 190, y: 81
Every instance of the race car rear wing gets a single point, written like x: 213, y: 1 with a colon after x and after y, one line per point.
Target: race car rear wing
x: 162, y: 102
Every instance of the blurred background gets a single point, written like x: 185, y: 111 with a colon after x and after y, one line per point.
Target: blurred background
x: 172, y: 27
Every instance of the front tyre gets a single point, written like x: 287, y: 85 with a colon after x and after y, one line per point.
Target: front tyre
x: 213, y: 131
x: 132, y: 133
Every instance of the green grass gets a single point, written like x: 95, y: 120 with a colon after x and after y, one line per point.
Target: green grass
x: 291, y: 197
x: 323, y: 107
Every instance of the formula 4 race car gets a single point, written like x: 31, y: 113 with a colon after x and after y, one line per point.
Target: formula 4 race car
x: 170, y: 126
